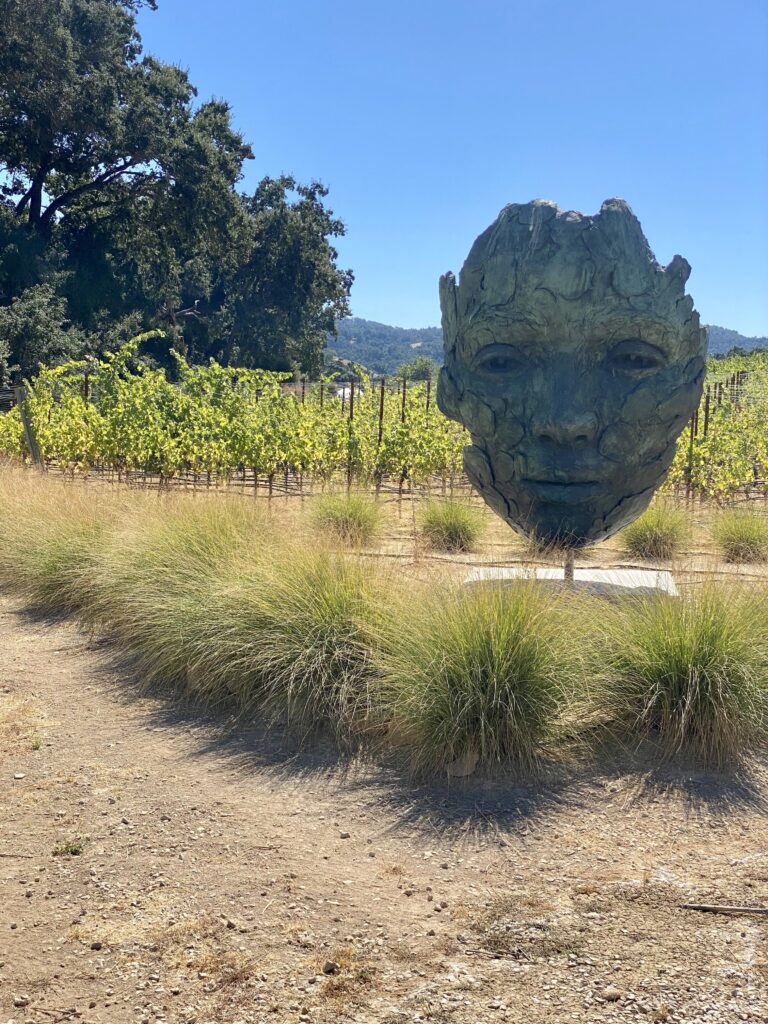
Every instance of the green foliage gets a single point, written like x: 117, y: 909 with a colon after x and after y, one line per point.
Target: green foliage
x: 383, y: 348
x: 5, y: 361
x: 12, y: 443
x: 657, y: 534
x: 690, y: 672
x: 352, y: 518
x: 100, y: 145
x: 451, y: 524
x: 734, y: 452
x: 69, y: 848
x: 420, y: 368
x: 285, y: 296
x: 216, y: 419
x: 474, y: 673
x: 34, y: 331
x: 742, y: 535
x: 308, y: 624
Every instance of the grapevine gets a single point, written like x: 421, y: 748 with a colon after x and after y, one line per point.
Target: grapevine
x: 120, y: 414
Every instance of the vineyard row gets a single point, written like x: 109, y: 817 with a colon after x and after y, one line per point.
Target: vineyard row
x: 218, y: 423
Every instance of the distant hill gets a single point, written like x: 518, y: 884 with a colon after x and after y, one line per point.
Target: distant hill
x: 382, y: 348
x: 722, y: 340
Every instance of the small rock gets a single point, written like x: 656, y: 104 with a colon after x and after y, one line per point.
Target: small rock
x: 344, y: 835
x: 20, y: 775
x: 96, y: 945
x: 611, y: 994
x: 21, y: 1000
x: 331, y: 967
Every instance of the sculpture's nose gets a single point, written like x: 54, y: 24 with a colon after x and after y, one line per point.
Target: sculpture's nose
x: 565, y: 426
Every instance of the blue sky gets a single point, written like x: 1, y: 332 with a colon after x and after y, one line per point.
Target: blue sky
x: 425, y: 117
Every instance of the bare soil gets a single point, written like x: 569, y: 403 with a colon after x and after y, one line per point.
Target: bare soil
x: 158, y: 864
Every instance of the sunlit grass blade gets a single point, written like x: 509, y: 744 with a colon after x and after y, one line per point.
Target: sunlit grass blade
x: 657, y: 534
x: 690, y: 672
x: 351, y: 518
x: 741, y: 533
x: 475, y: 674
x: 450, y: 524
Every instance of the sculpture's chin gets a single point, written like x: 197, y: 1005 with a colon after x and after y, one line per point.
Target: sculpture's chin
x: 569, y: 515
x: 579, y: 526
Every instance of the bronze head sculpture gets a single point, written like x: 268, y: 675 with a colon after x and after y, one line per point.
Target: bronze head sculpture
x: 575, y: 361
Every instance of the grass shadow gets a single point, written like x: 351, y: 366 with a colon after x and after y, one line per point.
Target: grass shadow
x: 476, y: 808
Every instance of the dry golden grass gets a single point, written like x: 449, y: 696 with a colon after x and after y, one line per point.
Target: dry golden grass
x: 206, y: 593
x: 225, y: 966
x: 22, y: 723
x: 355, y: 973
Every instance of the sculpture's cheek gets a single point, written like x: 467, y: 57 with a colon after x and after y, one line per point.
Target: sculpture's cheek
x: 448, y: 395
x: 509, y: 432
x: 641, y: 403
x: 506, y: 467
x: 680, y: 405
x: 477, y: 414
x: 478, y: 468
x: 620, y: 443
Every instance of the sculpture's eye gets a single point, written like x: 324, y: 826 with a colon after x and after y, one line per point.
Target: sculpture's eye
x: 497, y: 360
x: 637, y: 358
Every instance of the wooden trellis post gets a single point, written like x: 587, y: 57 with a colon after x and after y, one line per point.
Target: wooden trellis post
x: 20, y: 397
x: 381, y: 411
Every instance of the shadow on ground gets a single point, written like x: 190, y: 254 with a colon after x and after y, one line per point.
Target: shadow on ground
x: 468, y: 808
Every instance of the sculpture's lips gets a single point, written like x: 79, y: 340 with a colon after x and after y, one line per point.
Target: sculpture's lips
x: 559, y: 491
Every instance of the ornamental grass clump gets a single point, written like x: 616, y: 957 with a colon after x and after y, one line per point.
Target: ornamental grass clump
x: 450, y: 524
x: 657, y: 534
x: 350, y: 518
x: 153, y: 583
x: 475, y: 676
x: 295, y: 638
x: 742, y: 535
x: 690, y: 672
x: 52, y: 533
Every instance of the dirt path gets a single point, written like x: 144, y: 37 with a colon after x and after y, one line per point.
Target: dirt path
x: 219, y: 875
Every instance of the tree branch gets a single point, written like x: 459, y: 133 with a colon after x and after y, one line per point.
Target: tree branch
x: 24, y: 200
x: 90, y: 186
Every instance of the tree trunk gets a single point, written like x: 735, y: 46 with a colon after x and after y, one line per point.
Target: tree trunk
x: 36, y: 198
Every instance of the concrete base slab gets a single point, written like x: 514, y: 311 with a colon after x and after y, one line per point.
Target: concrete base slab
x: 604, y: 582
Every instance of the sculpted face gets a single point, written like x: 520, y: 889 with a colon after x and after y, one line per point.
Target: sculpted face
x: 575, y: 361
